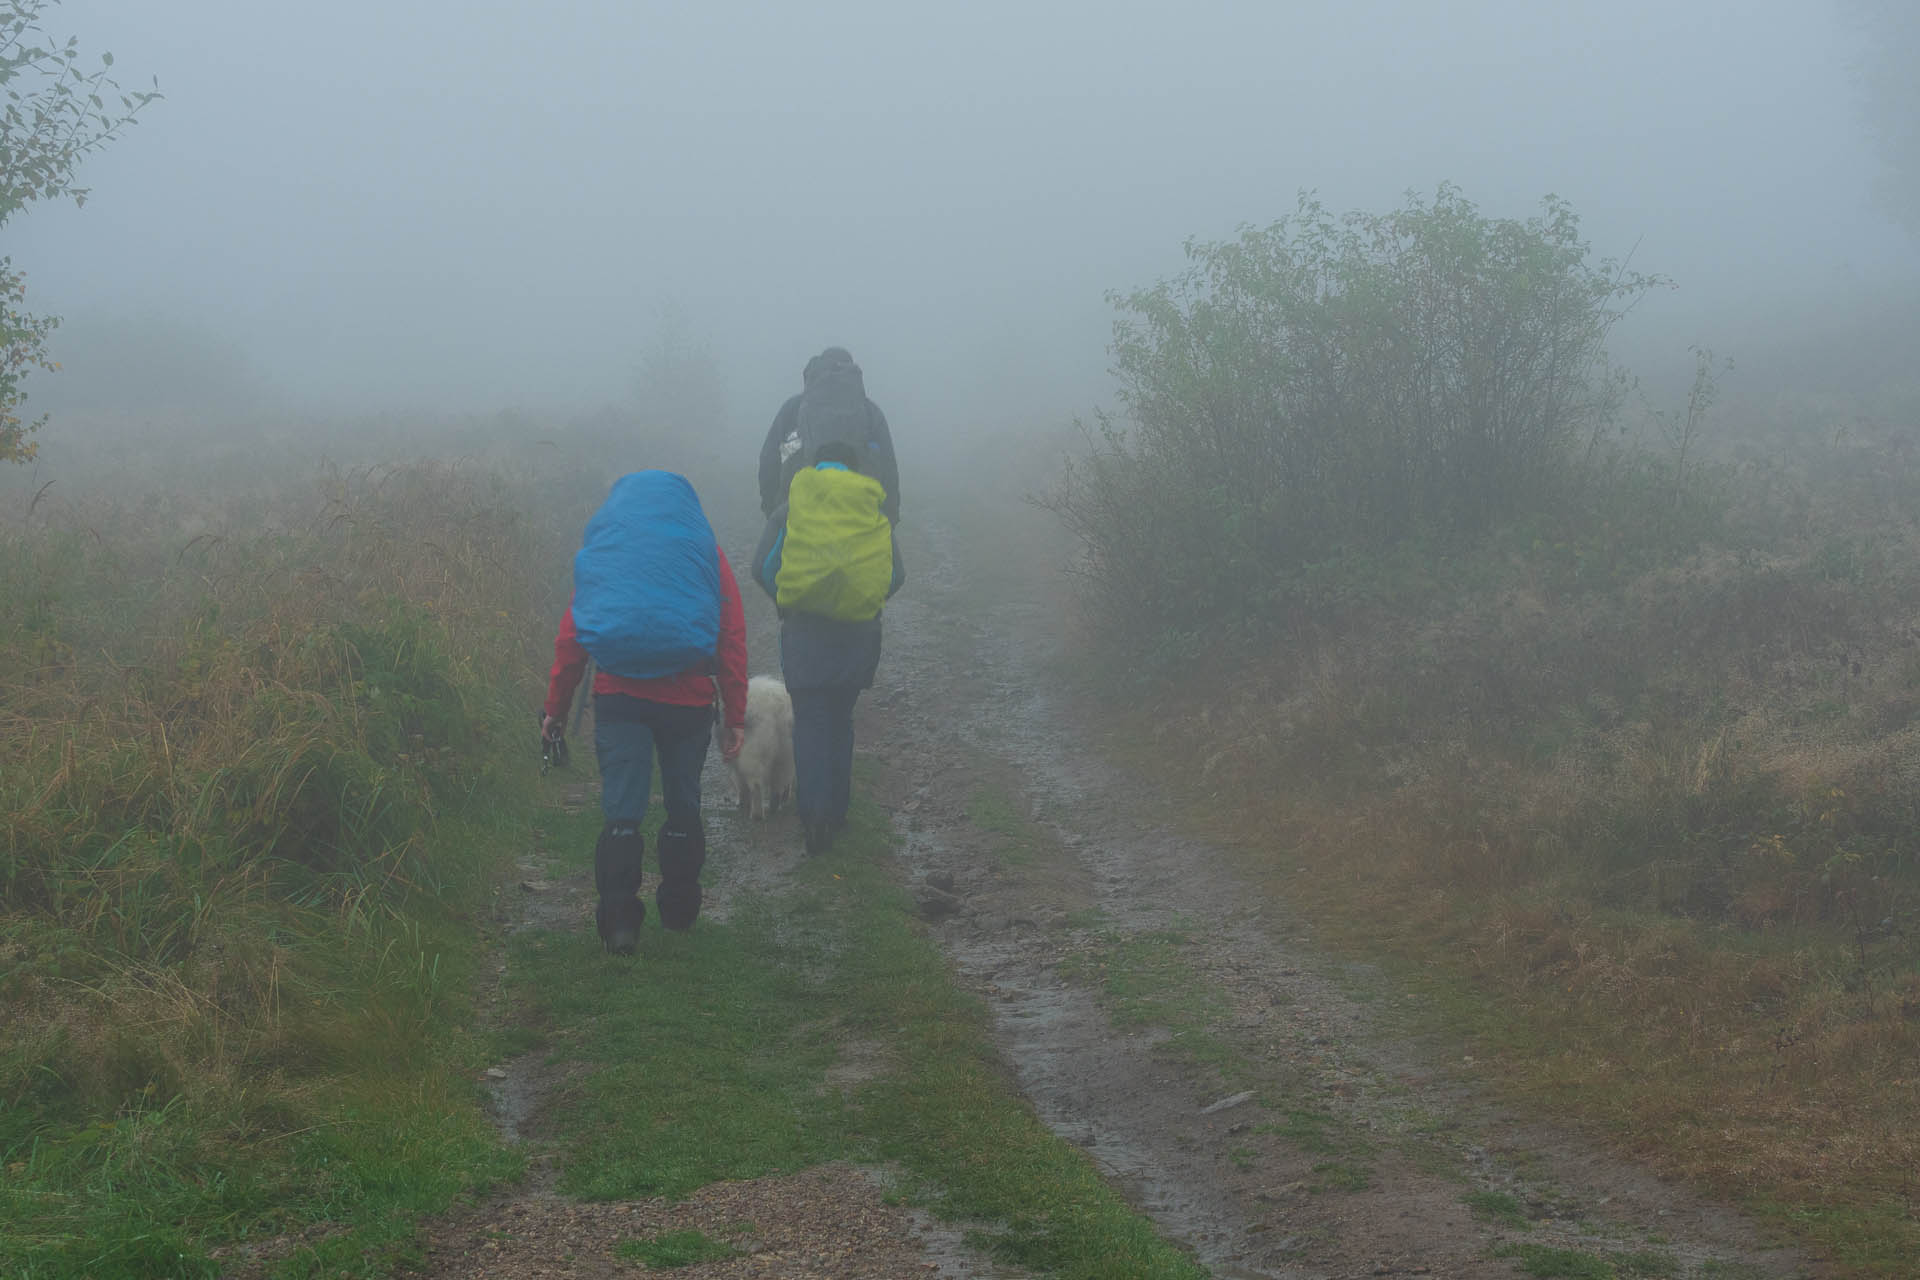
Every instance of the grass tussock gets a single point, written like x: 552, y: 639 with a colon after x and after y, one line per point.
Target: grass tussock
x: 258, y: 760
x: 1656, y: 792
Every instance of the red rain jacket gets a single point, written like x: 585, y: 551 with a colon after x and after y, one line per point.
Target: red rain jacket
x: 688, y: 689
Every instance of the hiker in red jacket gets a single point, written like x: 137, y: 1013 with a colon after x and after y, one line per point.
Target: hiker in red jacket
x: 635, y: 719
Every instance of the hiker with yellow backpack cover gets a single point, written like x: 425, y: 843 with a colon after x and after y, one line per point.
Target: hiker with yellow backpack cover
x: 830, y: 561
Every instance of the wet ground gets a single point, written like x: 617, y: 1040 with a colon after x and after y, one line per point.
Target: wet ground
x: 837, y: 1221
x: 1357, y: 1149
x: 1314, y: 1139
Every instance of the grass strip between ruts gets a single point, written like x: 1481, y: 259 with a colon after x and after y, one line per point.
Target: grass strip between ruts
x: 707, y: 1056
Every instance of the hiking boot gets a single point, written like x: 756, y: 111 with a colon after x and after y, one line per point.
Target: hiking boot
x: 683, y: 851
x: 618, y: 924
x: 616, y: 875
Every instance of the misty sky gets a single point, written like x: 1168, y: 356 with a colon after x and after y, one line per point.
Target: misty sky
x: 460, y: 204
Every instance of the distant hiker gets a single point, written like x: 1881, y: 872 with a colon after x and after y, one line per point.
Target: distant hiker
x: 832, y: 407
x: 656, y: 608
x: 829, y: 560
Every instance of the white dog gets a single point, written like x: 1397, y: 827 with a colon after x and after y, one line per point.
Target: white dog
x: 763, y: 771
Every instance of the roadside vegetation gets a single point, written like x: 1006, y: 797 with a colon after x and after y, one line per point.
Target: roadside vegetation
x: 259, y: 768
x: 266, y: 753
x: 1620, y: 731
x: 728, y: 1068
x: 60, y: 110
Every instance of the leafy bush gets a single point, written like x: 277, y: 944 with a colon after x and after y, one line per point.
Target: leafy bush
x: 57, y: 115
x: 1325, y: 386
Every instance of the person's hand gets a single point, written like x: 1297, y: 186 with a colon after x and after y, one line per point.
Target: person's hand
x: 731, y: 743
x: 551, y: 729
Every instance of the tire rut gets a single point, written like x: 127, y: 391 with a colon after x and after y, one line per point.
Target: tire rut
x: 964, y: 700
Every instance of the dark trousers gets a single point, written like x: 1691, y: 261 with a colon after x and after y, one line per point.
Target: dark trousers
x: 627, y: 734
x: 823, y: 751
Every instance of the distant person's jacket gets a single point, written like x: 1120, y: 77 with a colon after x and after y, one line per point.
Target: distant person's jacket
x: 879, y: 463
x: 692, y: 688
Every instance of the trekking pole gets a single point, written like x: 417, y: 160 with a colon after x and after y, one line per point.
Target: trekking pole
x: 554, y: 752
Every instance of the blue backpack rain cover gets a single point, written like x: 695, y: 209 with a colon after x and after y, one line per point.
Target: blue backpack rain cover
x: 646, y: 583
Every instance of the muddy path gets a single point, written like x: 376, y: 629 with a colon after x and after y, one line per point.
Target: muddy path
x: 1290, y: 1127
x: 830, y: 1221
x: 1309, y: 1135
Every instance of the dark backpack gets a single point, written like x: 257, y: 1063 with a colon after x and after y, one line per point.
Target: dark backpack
x: 833, y: 410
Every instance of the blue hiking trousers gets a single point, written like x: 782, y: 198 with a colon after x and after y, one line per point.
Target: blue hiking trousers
x: 823, y: 751
x: 627, y: 734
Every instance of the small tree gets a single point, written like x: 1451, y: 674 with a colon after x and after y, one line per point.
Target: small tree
x: 56, y: 114
x: 1327, y: 384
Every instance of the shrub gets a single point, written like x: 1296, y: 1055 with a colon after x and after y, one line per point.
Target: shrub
x: 57, y: 115
x: 1325, y: 386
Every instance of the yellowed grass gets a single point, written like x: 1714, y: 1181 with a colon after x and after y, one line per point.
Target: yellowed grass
x: 1676, y: 857
x: 220, y: 748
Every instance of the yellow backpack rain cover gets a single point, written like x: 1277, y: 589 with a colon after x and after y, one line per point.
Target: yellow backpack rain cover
x: 837, y: 558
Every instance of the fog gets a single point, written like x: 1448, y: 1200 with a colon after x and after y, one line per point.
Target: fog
x: 460, y: 206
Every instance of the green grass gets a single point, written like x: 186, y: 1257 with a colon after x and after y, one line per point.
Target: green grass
x: 1497, y: 1206
x: 1574, y: 1264
x: 675, y: 1249
x: 1334, y: 1175
x: 1307, y: 1131
x: 993, y: 808
x: 704, y: 1056
x: 257, y: 789
x: 1146, y: 979
x: 360, y: 1114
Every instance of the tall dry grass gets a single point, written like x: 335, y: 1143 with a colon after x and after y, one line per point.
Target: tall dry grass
x: 266, y: 730
x: 1662, y: 810
x: 263, y: 728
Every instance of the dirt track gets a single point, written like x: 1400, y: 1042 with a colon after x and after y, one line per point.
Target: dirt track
x: 962, y: 713
x: 963, y: 704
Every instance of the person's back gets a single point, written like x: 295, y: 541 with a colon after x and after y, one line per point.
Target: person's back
x: 657, y: 610
x: 832, y: 408
x: 829, y: 569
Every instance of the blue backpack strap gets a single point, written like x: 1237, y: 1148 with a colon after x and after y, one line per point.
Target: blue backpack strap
x: 766, y: 556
